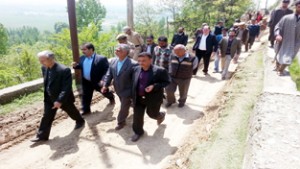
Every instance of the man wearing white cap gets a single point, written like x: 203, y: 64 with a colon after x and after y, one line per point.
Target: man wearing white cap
x: 136, y: 39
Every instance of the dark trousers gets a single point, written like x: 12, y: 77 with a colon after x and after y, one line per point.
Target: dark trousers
x: 206, y: 59
x: 87, y: 94
x: 250, y: 42
x: 183, y: 86
x: 139, y: 111
x: 124, y: 109
x: 49, y: 115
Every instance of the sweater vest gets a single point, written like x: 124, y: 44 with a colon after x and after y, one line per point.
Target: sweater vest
x: 182, y: 69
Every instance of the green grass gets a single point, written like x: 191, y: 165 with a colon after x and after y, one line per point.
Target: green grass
x: 22, y: 101
x: 227, y: 142
x: 295, y: 72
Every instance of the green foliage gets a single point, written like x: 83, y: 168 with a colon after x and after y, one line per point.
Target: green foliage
x: 104, y: 42
x: 9, y: 76
x: 27, y: 64
x: 148, y: 22
x: 24, y: 35
x: 59, y: 26
x: 194, y: 13
x: 3, y: 40
x: 89, y: 11
x: 295, y: 73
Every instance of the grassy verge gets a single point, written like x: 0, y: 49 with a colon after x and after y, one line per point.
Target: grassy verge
x: 295, y: 73
x: 22, y: 101
x: 226, y: 146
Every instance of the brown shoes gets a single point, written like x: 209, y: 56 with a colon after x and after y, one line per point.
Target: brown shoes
x: 161, y: 118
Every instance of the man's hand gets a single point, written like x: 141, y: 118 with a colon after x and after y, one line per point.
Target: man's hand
x: 56, y: 105
x: 149, y: 88
x: 213, y: 54
x: 74, y: 64
x: 278, y: 38
x: 104, y: 89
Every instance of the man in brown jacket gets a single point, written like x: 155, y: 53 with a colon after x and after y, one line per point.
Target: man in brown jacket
x: 243, y: 34
x: 230, y: 48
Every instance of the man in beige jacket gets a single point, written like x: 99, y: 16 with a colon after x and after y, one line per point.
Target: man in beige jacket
x: 136, y: 39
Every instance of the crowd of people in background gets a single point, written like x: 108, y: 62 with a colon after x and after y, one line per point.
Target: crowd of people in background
x: 143, y: 74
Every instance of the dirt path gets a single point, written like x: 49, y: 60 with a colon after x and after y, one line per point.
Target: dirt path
x: 98, y: 145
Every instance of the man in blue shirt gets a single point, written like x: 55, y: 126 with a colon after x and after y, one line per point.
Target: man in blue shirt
x: 217, y: 57
x: 93, y: 68
x: 254, y: 30
x: 120, y: 73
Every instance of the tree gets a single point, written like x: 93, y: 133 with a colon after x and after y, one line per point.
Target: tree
x: 59, y: 26
x: 89, y: 11
x: 3, y: 40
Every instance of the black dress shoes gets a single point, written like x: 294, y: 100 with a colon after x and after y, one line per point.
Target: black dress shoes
x: 37, y: 139
x: 85, y: 113
x: 120, y: 126
x: 79, y: 125
x: 112, y: 101
x: 135, y: 137
x: 180, y: 105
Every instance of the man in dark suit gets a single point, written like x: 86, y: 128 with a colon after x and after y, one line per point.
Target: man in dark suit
x: 58, y: 93
x: 149, y: 82
x: 149, y: 48
x: 180, y: 38
x: 205, y: 46
x: 93, y: 68
x: 120, y: 72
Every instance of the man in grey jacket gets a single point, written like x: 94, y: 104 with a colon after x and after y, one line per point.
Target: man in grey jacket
x: 120, y: 71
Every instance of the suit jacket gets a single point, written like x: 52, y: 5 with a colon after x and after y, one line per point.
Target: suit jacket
x: 211, y: 43
x: 235, y: 47
x: 60, y: 87
x: 245, y: 35
x: 179, y: 39
x: 99, y: 68
x: 122, y: 82
x: 158, y: 77
x: 152, y: 51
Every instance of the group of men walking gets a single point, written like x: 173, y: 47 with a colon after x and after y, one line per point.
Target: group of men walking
x: 141, y: 73
x: 285, y: 35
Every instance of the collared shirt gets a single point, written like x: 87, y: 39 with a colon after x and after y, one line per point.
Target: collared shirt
x: 202, y: 45
x: 163, y: 56
x: 48, y: 79
x: 87, y: 67
x: 143, y: 82
x: 298, y: 17
x: 120, y: 65
x: 228, y: 50
x: 195, y: 63
x: 149, y: 48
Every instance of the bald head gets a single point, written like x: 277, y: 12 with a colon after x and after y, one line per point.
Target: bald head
x: 180, y: 50
x: 206, y: 30
x: 46, y: 58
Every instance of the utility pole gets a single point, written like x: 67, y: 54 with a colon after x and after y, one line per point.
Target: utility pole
x: 74, y: 39
x: 130, y: 22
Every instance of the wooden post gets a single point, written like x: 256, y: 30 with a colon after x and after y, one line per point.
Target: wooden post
x: 130, y: 22
x: 74, y: 38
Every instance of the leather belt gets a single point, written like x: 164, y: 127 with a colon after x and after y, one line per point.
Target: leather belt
x: 137, y: 46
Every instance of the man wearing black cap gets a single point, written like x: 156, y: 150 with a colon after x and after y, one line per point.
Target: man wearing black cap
x: 287, y: 33
x: 276, y: 15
